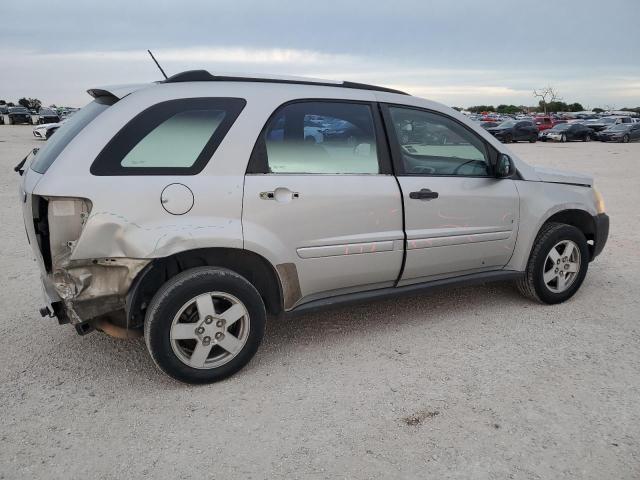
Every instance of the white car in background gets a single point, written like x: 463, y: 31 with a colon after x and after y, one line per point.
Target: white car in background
x: 45, y: 130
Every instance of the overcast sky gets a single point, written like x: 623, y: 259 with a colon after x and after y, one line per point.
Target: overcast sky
x: 459, y: 52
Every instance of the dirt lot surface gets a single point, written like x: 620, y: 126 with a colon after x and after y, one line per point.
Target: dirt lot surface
x: 467, y: 383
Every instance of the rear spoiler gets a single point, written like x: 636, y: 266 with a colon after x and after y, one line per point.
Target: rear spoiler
x: 117, y: 91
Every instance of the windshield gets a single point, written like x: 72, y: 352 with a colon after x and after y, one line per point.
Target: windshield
x: 561, y: 126
x: 67, y: 131
x: 46, y: 111
x: 507, y: 124
x: 18, y: 110
x: 619, y: 127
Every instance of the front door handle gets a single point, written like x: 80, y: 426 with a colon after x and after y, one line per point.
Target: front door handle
x: 423, y: 194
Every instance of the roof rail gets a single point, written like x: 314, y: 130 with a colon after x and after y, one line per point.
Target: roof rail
x: 204, y: 76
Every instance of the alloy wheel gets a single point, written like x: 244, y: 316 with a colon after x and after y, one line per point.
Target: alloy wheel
x: 209, y: 330
x: 562, y: 265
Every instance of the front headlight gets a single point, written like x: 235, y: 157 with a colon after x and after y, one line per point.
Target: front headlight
x: 599, y: 201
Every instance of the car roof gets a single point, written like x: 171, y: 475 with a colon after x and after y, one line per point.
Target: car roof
x: 120, y: 91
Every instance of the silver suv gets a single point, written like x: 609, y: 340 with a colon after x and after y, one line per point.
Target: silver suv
x: 188, y: 209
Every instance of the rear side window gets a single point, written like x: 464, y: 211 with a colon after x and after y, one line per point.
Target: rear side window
x: 67, y: 131
x: 176, y: 137
x: 318, y: 137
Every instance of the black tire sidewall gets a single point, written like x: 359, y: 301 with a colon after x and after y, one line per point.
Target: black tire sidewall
x: 565, y: 232
x: 178, y: 291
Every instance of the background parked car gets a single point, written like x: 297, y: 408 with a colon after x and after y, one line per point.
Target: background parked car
x: 3, y: 111
x: 489, y: 124
x: 622, y: 132
x: 544, y: 123
x: 514, y: 131
x: 605, y: 122
x: 17, y: 115
x: 46, y: 115
x: 566, y: 132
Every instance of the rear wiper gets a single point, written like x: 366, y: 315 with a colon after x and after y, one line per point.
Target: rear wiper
x: 18, y: 168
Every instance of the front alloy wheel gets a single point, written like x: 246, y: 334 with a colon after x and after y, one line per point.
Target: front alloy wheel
x: 562, y: 265
x: 557, y: 265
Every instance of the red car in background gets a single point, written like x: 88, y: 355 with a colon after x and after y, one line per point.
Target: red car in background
x: 544, y: 123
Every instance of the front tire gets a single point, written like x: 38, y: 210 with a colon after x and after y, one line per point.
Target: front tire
x: 625, y: 139
x: 557, y: 265
x: 204, y: 325
x: 563, y: 138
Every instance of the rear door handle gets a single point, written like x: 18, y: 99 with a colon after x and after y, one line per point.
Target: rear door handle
x: 423, y: 194
x: 280, y: 194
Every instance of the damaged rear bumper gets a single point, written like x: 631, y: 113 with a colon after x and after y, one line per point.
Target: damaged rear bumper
x: 93, y: 289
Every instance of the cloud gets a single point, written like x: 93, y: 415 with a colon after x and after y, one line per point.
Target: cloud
x: 63, y: 77
x: 229, y: 55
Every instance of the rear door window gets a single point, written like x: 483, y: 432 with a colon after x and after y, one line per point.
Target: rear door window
x: 319, y: 137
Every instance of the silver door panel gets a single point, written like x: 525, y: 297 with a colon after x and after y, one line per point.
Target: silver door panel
x: 341, y: 231
x: 470, y: 227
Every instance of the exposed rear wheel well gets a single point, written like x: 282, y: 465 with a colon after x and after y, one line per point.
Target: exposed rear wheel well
x: 251, y: 266
x: 580, y: 219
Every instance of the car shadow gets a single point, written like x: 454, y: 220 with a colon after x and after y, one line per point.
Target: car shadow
x: 88, y: 360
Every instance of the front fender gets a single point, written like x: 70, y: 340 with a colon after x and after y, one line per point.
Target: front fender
x: 539, y: 201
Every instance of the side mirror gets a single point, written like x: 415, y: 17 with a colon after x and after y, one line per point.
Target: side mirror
x: 505, y: 167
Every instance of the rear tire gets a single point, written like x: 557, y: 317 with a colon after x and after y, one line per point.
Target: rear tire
x: 563, y: 138
x: 204, y: 325
x: 533, y: 139
x: 557, y: 265
x: 508, y: 139
x: 587, y: 138
x: 625, y: 139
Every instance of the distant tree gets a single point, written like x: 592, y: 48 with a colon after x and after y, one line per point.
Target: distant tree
x: 576, y: 107
x: 459, y: 109
x: 598, y: 110
x: 481, y: 108
x: 555, y: 106
x: 2, y: 102
x: 11, y: 104
x: 546, y: 95
x: 30, y: 103
x: 508, y: 109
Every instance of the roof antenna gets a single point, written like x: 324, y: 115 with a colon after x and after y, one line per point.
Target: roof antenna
x: 154, y: 59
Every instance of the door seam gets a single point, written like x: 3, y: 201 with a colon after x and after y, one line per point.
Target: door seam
x: 395, y: 176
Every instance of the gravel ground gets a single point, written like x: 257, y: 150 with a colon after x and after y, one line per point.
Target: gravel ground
x: 468, y: 383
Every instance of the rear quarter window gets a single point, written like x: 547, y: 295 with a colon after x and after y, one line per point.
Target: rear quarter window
x: 176, y: 137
